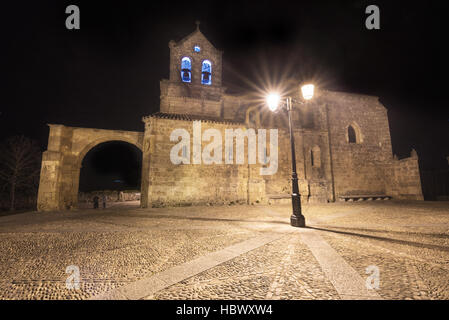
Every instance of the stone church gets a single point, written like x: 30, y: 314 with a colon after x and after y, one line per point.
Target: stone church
x: 343, y: 144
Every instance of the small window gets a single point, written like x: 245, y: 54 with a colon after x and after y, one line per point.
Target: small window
x: 352, y: 137
x: 186, y: 70
x: 315, y: 157
x: 197, y: 48
x: 206, y: 72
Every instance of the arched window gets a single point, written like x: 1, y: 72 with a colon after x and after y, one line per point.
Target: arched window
x: 352, y: 136
x: 186, y: 70
x: 252, y: 117
x: 206, y: 72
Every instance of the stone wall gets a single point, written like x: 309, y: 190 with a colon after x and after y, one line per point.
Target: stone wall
x: 177, y: 97
x: 165, y: 183
x: 358, y: 168
x: 314, y: 179
x: 403, y: 178
x: 61, y: 163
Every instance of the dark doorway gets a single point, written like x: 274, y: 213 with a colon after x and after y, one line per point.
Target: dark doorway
x: 113, y: 168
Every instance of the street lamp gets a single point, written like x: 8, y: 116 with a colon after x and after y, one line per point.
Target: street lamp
x: 274, y: 102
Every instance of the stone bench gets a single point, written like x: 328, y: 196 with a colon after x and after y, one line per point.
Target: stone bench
x: 364, y: 197
x: 279, y: 198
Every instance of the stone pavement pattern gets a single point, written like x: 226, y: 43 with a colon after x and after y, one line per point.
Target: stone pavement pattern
x: 407, y: 241
x: 284, y: 269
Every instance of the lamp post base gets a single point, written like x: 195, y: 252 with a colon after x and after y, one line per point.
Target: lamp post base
x: 297, y: 221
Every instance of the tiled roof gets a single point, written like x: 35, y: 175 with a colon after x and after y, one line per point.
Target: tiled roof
x: 191, y: 117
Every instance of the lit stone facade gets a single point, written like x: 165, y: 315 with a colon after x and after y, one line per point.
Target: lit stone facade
x: 343, y: 145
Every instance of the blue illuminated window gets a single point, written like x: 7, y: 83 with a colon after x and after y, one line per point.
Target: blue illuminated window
x: 186, y: 70
x: 206, y: 72
x: 197, y: 48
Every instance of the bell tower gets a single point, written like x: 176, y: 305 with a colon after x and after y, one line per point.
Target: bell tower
x: 195, y: 82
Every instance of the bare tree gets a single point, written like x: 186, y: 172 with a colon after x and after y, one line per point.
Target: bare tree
x: 19, y: 166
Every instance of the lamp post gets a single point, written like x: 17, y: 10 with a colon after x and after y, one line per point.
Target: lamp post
x: 274, y: 101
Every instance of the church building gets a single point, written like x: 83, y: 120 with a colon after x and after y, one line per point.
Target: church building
x: 343, y: 144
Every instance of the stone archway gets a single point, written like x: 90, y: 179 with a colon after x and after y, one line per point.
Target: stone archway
x: 61, y: 163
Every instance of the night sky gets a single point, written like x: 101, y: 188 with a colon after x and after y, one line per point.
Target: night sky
x: 106, y: 75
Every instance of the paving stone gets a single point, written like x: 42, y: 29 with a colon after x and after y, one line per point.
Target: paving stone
x: 114, y: 248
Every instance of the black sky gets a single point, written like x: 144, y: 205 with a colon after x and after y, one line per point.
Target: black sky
x: 107, y: 74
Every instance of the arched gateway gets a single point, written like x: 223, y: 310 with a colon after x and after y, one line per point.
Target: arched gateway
x: 61, y: 163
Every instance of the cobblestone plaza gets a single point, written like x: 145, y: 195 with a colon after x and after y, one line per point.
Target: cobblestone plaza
x: 229, y: 252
